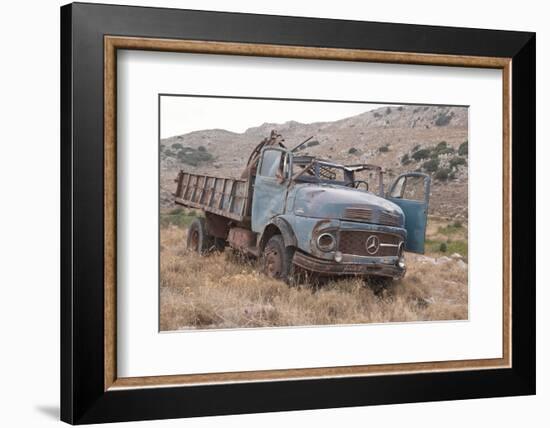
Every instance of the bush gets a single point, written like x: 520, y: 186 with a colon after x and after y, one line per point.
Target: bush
x: 450, y: 229
x: 446, y: 151
x: 201, y: 149
x: 421, y: 154
x: 194, y: 157
x: 176, y: 211
x: 443, y: 247
x: 441, y: 146
x: 384, y: 149
x: 177, y: 217
x: 415, y: 148
x: 442, y: 174
x: 443, y: 119
x: 177, y: 146
x: 400, y: 108
x: 459, y: 246
x: 405, y: 160
x: 388, y: 110
x: 353, y: 151
x: 313, y: 143
x: 463, y: 149
x: 456, y: 161
x: 431, y: 165
x: 376, y: 114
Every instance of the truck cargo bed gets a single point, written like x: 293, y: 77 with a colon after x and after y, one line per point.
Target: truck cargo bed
x: 227, y: 197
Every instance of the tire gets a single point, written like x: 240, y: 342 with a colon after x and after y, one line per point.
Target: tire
x: 220, y: 244
x: 277, y: 259
x: 198, y: 239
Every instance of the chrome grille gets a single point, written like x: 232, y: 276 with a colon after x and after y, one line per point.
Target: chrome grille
x: 366, y: 214
x: 358, y: 214
x: 355, y: 242
x: 389, y: 219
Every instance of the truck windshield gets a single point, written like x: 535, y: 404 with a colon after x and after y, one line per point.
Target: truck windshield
x: 314, y: 171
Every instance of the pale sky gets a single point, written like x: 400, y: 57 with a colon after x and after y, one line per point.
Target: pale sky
x: 180, y: 115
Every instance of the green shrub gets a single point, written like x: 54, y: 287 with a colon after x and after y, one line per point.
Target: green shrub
x: 415, y: 148
x: 441, y: 145
x: 431, y: 165
x: 176, y: 211
x: 442, y: 174
x: 443, y: 247
x: 376, y: 114
x: 384, y: 149
x: 388, y: 110
x: 443, y: 119
x: 177, y: 217
x: 463, y: 148
x: 459, y: 246
x: 450, y: 229
x: 353, y: 151
x: 456, y: 161
x: 194, y: 157
x: 446, y: 151
x: 313, y: 143
x: 405, y: 160
x: 400, y: 108
x: 421, y: 154
x: 201, y: 149
x: 177, y: 146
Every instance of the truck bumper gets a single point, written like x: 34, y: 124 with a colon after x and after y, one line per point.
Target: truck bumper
x: 330, y: 267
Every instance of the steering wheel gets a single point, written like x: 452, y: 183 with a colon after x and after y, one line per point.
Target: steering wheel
x: 357, y: 183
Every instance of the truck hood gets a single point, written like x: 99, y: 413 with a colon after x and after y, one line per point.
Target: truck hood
x: 329, y: 201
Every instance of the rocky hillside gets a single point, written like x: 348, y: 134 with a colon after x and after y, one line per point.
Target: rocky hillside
x: 399, y: 138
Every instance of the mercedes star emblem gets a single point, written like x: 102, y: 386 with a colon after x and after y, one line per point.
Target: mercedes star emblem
x: 372, y: 244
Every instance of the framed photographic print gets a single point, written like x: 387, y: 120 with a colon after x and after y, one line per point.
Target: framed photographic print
x: 265, y: 213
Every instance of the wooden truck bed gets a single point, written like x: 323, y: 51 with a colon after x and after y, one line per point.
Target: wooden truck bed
x: 227, y: 197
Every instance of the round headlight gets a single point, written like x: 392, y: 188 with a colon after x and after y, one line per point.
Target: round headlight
x: 401, y: 262
x: 326, y: 242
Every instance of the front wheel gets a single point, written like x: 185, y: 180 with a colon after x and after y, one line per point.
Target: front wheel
x: 198, y: 239
x: 379, y: 283
x: 277, y: 259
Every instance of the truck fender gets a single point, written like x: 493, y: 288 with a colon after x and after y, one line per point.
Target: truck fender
x: 284, y: 228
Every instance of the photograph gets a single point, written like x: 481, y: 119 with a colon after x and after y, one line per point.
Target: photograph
x: 264, y: 211
x: 294, y: 212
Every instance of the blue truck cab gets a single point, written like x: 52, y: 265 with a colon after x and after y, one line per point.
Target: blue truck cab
x: 302, y: 212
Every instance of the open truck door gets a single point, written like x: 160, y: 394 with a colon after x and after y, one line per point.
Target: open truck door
x: 411, y: 191
x: 270, y: 186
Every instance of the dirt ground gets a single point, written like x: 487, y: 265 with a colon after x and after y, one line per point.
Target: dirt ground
x: 222, y: 290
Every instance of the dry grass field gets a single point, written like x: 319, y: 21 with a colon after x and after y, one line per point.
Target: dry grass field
x: 225, y: 291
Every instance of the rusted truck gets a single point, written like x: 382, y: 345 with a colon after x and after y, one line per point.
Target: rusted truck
x: 301, y: 213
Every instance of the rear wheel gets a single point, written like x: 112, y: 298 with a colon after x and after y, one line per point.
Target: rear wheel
x: 220, y: 244
x: 198, y: 239
x: 277, y: 259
